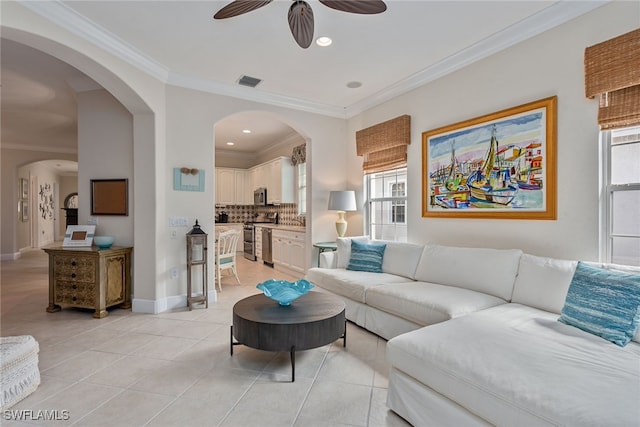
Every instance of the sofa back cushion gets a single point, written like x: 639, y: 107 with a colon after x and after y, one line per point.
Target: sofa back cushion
x: 343, y: 253
x: 492, y: 271
x: 543, y: 282
x: 402, y: 258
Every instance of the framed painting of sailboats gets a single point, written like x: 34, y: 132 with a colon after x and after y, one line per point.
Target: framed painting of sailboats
x: 499, y: 166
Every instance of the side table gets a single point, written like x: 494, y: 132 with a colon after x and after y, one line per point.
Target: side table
x: 325, y: 246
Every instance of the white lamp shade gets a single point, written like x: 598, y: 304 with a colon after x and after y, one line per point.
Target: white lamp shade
x: 342, y: 200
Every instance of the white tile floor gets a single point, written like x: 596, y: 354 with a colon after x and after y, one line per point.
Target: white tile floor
x: 174, y: 369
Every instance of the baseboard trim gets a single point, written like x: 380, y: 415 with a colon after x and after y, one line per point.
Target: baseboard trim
x: 139, y: 305
x: 10, y: 257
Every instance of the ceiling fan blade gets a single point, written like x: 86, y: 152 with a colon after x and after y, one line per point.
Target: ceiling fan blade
x: 301, y: 23
x: 238, y: 7
x: 365, y: 7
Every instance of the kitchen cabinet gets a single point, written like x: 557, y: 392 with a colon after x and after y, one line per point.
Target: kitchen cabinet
x: 289, y: 251
x: 232, y: 187
x: 243, y: 191
x: 258, y: 177
x: 89, y: 277
x: 280, y: 183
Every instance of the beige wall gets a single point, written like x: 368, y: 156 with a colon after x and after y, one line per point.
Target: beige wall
x: 14, y: 234
x: 105, y: 151
x: 547, y: 65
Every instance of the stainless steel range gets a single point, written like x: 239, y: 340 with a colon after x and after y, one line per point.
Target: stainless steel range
x: 249, y: 233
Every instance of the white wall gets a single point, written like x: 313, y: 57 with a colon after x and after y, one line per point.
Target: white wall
x: 105, y: 151
x: 549, y: 64
x: 191, y: 117
x: 14, y: 233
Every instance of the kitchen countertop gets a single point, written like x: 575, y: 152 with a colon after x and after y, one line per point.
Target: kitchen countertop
x: 297, y: 228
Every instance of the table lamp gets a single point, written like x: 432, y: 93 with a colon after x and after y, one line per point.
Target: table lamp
x: 342, y: 201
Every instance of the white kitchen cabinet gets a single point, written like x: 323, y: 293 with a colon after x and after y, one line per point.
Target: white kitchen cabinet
x: 280, y: 183
x: 243, y: 191
x: 232, y: 187
x: 225, y: 186
x: 258, y: 177
x: 289, y: 251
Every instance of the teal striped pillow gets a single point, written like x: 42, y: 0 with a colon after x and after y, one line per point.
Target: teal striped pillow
x: 366, y: 256
x: 603, y: 302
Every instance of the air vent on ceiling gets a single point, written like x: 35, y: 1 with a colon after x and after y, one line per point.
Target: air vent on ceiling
x: 249, y: 81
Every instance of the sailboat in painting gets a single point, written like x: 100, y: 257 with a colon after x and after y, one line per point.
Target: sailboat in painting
x: 452, y: 192
x: 492, y: 183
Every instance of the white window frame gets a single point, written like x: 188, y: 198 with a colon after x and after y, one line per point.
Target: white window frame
x: 369, y: 200
x: 395, y: 202
x: 607, y: 190
x: 301, y: 184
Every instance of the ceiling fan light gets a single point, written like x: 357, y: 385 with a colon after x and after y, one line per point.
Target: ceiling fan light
x: 324, y: 41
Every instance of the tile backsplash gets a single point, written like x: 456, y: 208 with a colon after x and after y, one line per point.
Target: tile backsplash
x: 287, y: 213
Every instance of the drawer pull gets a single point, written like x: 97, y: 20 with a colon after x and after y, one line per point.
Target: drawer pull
x: 73, y: 275
x: 73, y: 263
x: 74, y: 298
x: 75, y: 287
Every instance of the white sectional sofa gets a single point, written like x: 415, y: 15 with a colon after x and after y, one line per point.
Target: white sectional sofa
x: 474, y: 338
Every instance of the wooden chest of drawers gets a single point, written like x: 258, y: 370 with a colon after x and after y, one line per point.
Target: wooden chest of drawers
x: 89, y: 278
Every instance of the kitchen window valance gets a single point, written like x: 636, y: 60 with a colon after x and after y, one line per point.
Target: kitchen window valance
x: 612, y: 71
x: 384, y: 146
x: 299, y: 154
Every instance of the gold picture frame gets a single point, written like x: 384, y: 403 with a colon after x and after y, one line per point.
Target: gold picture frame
x: 498, y: 166
x: 110, y: 197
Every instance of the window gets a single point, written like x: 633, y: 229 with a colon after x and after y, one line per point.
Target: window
x: 620, y: 207
x: 302, y: 188
x: 386, y: 205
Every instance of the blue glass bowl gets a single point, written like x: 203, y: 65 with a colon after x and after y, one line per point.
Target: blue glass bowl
x: 103, y: 242
x: 285, y: 292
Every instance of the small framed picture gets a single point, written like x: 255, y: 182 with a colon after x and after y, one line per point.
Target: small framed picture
x: 109, y: 197
x: 79, y: 235
x: 24, y: 188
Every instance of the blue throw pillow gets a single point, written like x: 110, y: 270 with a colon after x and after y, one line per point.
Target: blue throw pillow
x: 603, y: 302
x: 366, y: 256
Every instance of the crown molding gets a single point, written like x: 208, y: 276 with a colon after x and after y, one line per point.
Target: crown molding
x: 43, y: 148
x: 548, y: 18
x: 556, y: 14
x: 61, y: 14
x: 250, y: 94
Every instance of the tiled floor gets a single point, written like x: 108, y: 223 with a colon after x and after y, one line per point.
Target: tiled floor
x: 174, y: 369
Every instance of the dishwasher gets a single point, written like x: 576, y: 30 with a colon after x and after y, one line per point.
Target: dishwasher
x: 267, y: 246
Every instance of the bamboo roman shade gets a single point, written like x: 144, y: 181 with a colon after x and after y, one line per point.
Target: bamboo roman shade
x: 384, y: 146
x: 612, y: 70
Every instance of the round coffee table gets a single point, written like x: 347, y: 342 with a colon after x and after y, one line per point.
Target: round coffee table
x: 311, y: 321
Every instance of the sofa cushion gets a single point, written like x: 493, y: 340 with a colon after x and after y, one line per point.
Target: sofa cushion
x: 427, y: 303
x: 401, y: 258
x: 516, y: 365
x: 603, y: 302
x: 349, y: 284
x: 543, y: 282
x: 343, y: 253
x: 366, y: 256
x: 492, y: 271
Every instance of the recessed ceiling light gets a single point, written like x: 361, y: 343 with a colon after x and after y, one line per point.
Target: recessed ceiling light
x: 231, y: 143
x: 246, y: 131
x: 324, y: 41
x: 353, y: 85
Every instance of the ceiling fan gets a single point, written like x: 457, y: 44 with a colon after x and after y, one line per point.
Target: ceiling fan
x: 301, y: 15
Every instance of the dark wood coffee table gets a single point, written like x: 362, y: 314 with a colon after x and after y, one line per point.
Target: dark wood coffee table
x: 311, y: 321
